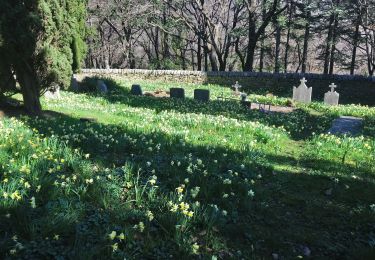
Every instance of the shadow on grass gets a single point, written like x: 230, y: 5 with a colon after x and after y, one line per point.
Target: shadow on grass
x: 300, y: 123
x: 290, y: 211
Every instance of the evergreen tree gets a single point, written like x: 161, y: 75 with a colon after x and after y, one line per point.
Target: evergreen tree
x: 41, y: 42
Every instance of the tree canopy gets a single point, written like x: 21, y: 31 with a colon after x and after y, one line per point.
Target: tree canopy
x: 41, y: 42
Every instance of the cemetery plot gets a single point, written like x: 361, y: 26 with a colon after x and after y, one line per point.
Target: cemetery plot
x: 161, y: 178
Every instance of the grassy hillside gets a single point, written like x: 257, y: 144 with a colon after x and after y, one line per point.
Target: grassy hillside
x: 140, y: 177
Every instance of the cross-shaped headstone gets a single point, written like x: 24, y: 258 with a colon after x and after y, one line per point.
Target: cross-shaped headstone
x: 333, y: 86
x: 332, y: 97
x: 302, y: 93
x: 237, y: 87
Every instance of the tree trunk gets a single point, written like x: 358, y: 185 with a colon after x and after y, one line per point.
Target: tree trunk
x: 327, y: 53
x: 251, y: 45
x: 288, y: 38
x: 199, y: 54
x: 213, y: 59
x: 277, y: 47
x: 354, y: 52
x: 261, y: 56
x: 30, y: 91
x: 305, y: 46
x: 333, y: 47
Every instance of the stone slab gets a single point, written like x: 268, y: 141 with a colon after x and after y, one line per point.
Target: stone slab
x: 136, y: 90
x: 202, y: 95
x: 177, y: 92
x: 346, y: 125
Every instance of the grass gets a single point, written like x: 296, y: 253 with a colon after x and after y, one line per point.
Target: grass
x: 164, y: 178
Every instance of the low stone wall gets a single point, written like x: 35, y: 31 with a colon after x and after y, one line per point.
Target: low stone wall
x: 352, y: 89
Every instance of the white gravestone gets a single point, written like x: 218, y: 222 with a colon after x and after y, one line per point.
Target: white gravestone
x: 302, y: 93
x: 237, y: 88
x: 332, y: 97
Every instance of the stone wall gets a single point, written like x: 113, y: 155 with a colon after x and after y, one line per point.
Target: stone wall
x: 352, y: 89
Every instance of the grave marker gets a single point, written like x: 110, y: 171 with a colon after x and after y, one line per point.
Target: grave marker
x: 236, y: 88
x: 332, y: 97
x: 74, y: 84
x: 136, y: 90
x: 53, y: 93
x: 177, y: 92
x: 302, y: 93
x: 202, y: 95
x: 101, y: 86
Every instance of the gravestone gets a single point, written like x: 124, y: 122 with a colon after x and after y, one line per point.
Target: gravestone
x: 136, y: 90
x: 177, y: 92
x: 302, y: 93
x: 101, y: 87
x: 346, y: 125
x: 74, y: 84
x: 332, y: 97
x: 236, y: 87
x: 202, y: 95
x: 53, y: 93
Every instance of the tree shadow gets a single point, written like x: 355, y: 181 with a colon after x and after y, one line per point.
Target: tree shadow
x: 290, y: 210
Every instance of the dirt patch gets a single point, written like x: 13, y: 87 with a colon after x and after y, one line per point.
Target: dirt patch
x: 270, y: 108
x: 157, y: 93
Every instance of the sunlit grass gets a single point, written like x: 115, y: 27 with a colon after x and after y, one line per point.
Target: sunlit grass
x: 139, y: 177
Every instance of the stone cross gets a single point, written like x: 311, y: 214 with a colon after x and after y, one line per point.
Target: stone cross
x: 302, y: 93
x: 237, y: 87
x: 332, y: 97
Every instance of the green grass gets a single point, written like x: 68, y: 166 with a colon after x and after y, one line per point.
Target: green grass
x: 164, y: 178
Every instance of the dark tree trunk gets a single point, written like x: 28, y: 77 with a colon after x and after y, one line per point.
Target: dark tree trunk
x: 327, y: 53
x: 199, y: 54
x: 290, y: 10
x: 261, y: 56
x: 333, y: 47
x: 30, y: 91
x: 354, y: 52
x: 213, y: 59
x: 305, y: 46
x: 252, y: 37
x: 277, y: 48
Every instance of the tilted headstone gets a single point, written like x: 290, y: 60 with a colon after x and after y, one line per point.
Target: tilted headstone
x: 177, y: 92
x: 202, y: 95
x: 332, y: 97
x: 74, y: 85
x: 302, y: 93
x: 101, y: 86
x: 136, y: 90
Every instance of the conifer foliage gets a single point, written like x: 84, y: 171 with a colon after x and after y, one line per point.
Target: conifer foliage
x: 41, y: 43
